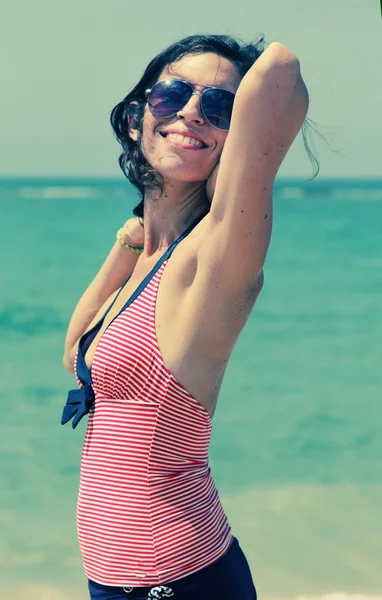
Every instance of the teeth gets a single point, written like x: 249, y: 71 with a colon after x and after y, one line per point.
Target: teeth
x: 183, y: 139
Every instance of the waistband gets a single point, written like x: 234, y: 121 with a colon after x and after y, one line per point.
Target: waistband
x: 168, y: 590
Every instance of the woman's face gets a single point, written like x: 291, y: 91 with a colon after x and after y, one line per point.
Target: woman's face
x: 167, y: 152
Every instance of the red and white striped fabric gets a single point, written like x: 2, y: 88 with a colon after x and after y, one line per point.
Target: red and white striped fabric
x: 148, y: 510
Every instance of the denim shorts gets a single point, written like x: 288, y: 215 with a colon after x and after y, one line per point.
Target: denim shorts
x: 229, y: 578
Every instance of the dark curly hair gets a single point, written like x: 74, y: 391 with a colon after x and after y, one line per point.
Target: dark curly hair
x: 132, y: 161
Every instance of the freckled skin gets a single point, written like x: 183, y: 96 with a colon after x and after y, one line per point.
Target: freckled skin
x: 181, y: 165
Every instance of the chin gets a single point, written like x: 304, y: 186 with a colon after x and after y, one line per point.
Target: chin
x: 182, y: 172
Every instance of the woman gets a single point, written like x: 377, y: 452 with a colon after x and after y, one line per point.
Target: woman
x: 207, y: 112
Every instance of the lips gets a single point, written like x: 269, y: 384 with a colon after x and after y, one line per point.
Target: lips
x: 184, y: 137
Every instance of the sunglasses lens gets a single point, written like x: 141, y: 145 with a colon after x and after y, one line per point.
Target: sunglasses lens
x: 168, y: 97
x: 217, y: 107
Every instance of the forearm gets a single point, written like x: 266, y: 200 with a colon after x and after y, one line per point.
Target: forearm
x: 117, y: 267
x: 284, y: 64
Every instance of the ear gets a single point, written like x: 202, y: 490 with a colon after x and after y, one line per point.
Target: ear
x: 132, y: 125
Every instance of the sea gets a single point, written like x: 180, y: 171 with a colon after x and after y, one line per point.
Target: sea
x: 296, y: 450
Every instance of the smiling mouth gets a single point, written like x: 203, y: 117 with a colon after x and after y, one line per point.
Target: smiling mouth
x: 183, y: 140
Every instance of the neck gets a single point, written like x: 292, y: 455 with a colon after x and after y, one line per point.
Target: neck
x: 168, y: 215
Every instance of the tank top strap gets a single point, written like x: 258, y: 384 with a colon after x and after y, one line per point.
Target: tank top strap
x: 80, y: 401
x: 155, y: 268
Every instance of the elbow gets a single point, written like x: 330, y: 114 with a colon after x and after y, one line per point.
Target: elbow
x: 280, y: 59
x: 282, y: 54
x: 68, y: 361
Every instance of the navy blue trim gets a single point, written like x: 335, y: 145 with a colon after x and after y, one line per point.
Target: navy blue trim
x: 83, y: 372
x: 80, y: 400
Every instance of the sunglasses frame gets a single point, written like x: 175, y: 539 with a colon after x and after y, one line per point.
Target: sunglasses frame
x: 194, y: 93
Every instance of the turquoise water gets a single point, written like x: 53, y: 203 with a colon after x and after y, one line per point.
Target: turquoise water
x: 296, y: 449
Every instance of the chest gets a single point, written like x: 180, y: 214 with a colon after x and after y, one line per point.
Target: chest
x: 139, y: 291
x: 185, y: 331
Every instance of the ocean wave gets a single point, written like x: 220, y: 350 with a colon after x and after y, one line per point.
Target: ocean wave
x: 332, y: 190
x: 327, y: 190
x: 54, y: 192
x: 357, y: 194
x: 291, y: 193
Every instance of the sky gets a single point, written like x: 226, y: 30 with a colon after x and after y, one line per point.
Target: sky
x: 64, y: 65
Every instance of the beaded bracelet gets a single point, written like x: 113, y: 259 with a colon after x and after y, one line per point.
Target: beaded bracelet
x: 125, y: 245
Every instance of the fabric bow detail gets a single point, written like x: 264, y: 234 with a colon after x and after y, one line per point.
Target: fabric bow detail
x: 78, y: 404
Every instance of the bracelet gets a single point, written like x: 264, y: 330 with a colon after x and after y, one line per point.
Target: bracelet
x: 125, y: 245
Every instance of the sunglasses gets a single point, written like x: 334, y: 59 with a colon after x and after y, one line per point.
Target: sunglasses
x: 167, y: 98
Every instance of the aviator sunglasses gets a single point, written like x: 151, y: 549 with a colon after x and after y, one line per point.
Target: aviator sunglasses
x: 168, y: 97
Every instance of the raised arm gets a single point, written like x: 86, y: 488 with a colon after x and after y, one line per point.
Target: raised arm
x: 270, y: 107
x: 118, y: 265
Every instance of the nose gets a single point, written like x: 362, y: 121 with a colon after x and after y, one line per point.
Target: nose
x: 192, y: 111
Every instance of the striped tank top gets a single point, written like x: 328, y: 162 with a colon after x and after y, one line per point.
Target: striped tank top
x: 148, y: 510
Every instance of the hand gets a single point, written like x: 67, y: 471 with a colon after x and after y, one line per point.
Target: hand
x: 133, y: 232
x: 211, y: 183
